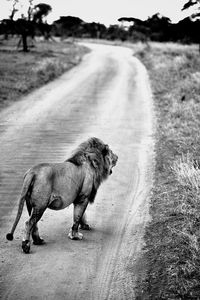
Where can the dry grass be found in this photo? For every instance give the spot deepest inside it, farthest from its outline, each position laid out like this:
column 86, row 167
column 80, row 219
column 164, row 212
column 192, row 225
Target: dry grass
column 187, row 172
column 173, row 236
column 22, row 72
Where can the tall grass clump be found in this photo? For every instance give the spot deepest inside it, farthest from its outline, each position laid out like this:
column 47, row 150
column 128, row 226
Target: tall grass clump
column 172, row 238
column 187, row 172
column 48, row 69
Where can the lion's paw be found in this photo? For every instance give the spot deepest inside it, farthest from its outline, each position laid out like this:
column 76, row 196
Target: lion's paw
column 75, row 235
column 85, row 227
column 26, row 245
column 38, row 241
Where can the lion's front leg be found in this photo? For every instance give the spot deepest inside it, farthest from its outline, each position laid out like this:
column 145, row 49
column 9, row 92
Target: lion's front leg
column 79, row 209
column 83, row 223
column 37, row 240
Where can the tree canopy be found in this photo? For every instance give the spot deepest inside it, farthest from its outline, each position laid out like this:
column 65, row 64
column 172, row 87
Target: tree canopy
column 40, row 11
column 190, row 3
column 196, row 4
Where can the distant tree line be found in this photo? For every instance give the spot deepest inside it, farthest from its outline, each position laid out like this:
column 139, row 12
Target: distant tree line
column 155, row 28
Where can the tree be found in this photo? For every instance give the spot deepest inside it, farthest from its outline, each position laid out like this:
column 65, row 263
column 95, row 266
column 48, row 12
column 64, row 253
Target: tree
column 115, row 32
column 67, row 25
column 22, row 26
column 94, row 30
column 8, row 24
column 158, row 26
column 195, row 3
column 28, row 24
column 14, row 9
column 192, row 3
column 41, row 10
column 30, row 10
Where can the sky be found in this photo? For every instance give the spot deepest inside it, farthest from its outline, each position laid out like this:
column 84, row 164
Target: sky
column 104, row 11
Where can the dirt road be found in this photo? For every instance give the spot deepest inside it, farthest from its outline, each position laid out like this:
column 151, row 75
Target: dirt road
column 106, row 96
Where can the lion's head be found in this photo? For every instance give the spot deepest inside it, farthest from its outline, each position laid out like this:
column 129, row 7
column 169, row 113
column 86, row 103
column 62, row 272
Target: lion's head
column 110, row 159
column 98, row 154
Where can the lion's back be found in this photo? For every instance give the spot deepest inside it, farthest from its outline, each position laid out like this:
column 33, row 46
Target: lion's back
column 63, row 179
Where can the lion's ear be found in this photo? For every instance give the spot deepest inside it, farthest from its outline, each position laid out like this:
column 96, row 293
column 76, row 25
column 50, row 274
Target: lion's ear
column 95, row 163
column 105, row 150
column 92, row 158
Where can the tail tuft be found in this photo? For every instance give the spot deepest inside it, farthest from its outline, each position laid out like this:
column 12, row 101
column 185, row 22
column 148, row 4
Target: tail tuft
column 9, row 236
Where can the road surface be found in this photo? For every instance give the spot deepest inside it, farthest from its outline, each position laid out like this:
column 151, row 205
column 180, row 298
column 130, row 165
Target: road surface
column 107, row 96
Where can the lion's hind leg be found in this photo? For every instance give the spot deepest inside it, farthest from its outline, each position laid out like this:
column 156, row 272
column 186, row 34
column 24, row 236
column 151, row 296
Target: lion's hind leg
column 30, row 225
column 37, row 240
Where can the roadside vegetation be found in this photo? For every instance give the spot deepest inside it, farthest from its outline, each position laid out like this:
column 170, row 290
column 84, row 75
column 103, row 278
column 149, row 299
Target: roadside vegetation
column 22, row 72
column 172, row 238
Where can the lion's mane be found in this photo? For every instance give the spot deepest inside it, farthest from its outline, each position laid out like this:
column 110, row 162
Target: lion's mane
column 94, row 152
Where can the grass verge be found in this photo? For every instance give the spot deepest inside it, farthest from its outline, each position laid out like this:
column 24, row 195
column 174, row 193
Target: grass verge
column 22, row 72
column 172, row 238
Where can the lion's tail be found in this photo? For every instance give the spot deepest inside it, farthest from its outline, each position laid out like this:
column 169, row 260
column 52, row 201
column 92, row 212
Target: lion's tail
column 29, row 180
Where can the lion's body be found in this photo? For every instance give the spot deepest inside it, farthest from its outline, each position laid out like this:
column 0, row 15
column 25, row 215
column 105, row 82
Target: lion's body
column 57, row 185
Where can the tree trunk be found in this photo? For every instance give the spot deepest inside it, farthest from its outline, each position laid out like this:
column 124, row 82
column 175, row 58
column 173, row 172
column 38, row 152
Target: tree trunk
column 24, row 41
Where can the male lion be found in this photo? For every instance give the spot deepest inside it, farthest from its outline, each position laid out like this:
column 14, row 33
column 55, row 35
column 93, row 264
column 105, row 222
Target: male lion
column 57, row 185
